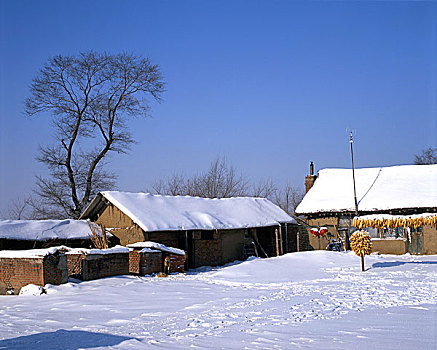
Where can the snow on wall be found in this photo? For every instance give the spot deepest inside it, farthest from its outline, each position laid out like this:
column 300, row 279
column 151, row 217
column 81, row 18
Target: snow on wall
column 43, row 230
column 30, row 253
column 396, row 187
column 113, row 250
column 169, row 213
column 148, row 247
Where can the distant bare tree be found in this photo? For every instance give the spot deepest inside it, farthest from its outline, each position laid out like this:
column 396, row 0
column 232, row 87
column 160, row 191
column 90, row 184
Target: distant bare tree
column 219, row 181
column 20, row 209
column 428, row 156
column 91, row 97
column 288, row 198
column 264, row 189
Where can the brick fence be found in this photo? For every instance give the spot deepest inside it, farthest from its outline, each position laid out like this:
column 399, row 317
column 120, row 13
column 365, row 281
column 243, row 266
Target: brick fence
column 94, row 266
column 174, row 263
column 16, row 272
column 145, row 263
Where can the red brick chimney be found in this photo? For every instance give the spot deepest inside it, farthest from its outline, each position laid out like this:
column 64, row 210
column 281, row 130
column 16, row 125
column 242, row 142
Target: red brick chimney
column 310, row 179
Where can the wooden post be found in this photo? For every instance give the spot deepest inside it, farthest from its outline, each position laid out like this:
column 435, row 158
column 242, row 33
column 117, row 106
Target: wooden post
column 362, row 263
column 277, row 243
column 281, row 243
column 298, row 240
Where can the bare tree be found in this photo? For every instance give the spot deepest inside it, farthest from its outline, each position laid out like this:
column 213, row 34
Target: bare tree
column 428, row 156
column 91, row 97
column 219, row 181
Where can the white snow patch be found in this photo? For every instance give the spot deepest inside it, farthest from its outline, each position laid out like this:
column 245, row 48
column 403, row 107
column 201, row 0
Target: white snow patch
column 32, row 289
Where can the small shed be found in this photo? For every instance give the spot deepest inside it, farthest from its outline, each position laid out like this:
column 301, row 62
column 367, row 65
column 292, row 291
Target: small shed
column 210, row 231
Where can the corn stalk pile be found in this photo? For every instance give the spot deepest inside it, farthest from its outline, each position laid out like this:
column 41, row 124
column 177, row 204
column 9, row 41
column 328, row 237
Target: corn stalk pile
column 392, row 221
column 361, row 244
column 98, row 235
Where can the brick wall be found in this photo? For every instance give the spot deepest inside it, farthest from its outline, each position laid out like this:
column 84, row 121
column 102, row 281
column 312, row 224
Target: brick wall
column 16, row 273
column 134, row 262
column 55, row 269
column 145, row 263
column 151, row 263
column 96, row 266
column 208, row 252
column 168, row 238
column 174, row 263
column 74, row 264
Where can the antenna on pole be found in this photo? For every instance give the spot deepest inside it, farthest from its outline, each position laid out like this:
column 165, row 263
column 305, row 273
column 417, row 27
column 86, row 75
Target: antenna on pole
column 353, row 173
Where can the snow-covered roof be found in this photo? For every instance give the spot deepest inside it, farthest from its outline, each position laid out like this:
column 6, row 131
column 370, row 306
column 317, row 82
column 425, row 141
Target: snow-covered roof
column 43, row 230
column 171, row 213
column 378, row 189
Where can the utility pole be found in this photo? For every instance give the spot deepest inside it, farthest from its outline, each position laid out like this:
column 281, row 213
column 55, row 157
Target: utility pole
column 353, row 175
column 355, row 190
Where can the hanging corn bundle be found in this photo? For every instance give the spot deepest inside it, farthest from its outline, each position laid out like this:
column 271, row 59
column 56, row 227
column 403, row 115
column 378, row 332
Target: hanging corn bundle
column 361, row 244
column 392, row 221
column 98, row 235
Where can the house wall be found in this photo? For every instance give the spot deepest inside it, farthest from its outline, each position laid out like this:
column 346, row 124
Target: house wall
column 121, row 225
column 389, row 246
column 429, row 240
column 232, row 242
column 168, row 238
column 267, row 239
column 16, row 273
column 329, row 223
column 207, row 252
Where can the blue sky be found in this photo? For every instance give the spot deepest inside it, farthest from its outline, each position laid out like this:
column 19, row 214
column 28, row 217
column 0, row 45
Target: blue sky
column 270, row 85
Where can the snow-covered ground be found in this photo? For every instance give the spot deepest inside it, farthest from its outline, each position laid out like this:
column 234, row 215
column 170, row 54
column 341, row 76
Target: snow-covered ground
column 317, row 300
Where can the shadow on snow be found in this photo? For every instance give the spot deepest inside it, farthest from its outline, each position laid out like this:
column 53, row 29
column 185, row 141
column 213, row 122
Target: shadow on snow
column 62, row 339
column 400, row 263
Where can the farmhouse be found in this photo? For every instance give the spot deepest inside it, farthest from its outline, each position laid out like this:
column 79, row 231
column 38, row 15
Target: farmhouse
column 408, row 192
column 31, row 234
column 211, row 231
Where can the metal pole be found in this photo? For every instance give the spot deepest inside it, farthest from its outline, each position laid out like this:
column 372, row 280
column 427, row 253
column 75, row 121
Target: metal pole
column 353, row 176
